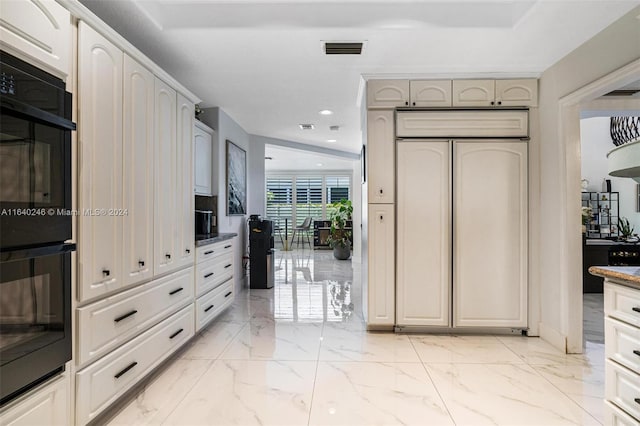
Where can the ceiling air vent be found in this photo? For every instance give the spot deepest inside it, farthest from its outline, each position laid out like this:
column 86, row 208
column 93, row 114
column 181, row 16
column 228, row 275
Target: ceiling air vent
column 623, row 92
column 343, row 48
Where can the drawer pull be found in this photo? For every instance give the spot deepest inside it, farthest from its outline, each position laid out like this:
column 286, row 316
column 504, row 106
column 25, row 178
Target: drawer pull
column 168, row 256
column 106, row 272
column 635, row 308
column 127, row 315
column 637, row 400
column 228, row 266
column 176, row 333
column 208, row 308
column 637, row 352
column 208, row 275
column 208, row 252
column 229, row 246
column 228, row 294
column 177, row 290
column 187, row 251
column 127, row 368
column 141, row 263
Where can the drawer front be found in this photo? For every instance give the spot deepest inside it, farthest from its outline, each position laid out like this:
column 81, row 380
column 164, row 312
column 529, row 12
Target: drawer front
column 623, row 343
column 209, row 305
column 212, row 273
column 100, row 384
column 213, row 250
column 613, row 416
column 107, row 324
column 622, row 303
column 622, row 387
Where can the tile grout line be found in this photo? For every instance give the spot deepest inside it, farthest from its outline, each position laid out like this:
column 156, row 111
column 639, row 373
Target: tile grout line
column 315, row 377
column 433, row 383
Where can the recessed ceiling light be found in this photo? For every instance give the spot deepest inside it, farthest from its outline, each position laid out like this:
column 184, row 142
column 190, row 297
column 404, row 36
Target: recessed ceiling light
column 326, row 112
column 306, row 126
column 319, row 164
column 334, row 128
column 332, row 140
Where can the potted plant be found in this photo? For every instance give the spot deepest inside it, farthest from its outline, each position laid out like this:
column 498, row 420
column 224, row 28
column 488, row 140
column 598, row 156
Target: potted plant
column 626, row 230
column 339, row 237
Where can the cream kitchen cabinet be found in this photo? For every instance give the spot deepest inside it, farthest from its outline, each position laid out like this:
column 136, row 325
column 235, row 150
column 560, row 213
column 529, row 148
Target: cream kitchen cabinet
column 165, row 225
column 430, row 93
column 184, row 211
column 39, row 31
column 381, row 266
column 424, row 234
column 471, row 93
column 387, row 93
column 203, row 159
column 138, row 147
column 100, row 83
column 381, row 156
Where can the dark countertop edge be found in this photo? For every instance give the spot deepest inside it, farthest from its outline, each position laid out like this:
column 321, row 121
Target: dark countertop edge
column 216, row 239
column 630, row 275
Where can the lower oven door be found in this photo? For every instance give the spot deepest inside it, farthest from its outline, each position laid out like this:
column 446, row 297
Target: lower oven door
column 35, row 316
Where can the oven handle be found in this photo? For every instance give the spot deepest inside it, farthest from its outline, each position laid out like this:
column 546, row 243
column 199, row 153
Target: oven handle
column 29, row 253
column 45, row 117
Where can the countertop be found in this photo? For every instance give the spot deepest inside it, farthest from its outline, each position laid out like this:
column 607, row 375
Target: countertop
column 630, row 275
column 206, row 239
column 604, row 242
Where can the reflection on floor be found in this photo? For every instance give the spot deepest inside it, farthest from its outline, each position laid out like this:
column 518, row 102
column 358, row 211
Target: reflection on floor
column 593, row 317
column 299, row 354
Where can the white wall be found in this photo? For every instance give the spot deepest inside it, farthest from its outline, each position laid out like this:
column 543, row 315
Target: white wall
column 559, row 205
column 596, row 142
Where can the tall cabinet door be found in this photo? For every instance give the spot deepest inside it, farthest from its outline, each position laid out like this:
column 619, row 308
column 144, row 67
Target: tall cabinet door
column 381, row 156
column 100, row 157
column 185, row 250
column 381, row 289
column 138, row 143
column 165, row 225
column 490, row 234
column 424, row 237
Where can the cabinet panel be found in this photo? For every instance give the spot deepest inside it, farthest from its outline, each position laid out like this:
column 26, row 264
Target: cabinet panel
column 380, row 156
column 517, row 92
column 381, row 273
column 209, row 305
column 100, row 157
column 202, row 146
column 184, row 208
column 430, row 93
column 137, row 160
column 165, row 178
column 622, row 387
column 423, row 243
column 623, row 342
column 40, row 30
column 473, row 93
column 387, row 93
column 47, row 405
column 490, row 234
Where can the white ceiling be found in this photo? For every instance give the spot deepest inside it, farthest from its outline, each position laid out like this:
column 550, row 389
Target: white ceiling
column 296, row 160
column 261, row 60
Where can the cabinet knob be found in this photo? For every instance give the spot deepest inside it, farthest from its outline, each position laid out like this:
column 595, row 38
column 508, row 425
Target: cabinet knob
column 499, row 102
column 406, row 103
column 188, row 251
column 381, row 191
column 381, row 218
column 106, row 272
column 493, row 103
column 414, row 104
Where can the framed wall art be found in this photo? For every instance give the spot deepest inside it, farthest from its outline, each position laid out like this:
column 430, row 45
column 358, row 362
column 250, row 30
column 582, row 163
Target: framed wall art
column 236, row 180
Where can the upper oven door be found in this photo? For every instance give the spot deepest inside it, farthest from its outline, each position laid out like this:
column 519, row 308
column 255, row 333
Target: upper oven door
column 35, row 158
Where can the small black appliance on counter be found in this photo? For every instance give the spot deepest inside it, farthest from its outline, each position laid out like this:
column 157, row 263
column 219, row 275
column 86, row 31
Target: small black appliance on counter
column 261, row 254
column 204, row 222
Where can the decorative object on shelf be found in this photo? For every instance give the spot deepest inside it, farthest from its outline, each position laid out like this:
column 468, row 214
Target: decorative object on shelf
column 587, row 212
column 626, row 230
column 236, row 180
column 339, row 237
column 606, row 185
column 624, row 130
column 584, row 183
column 603, row 214
column 198, row 111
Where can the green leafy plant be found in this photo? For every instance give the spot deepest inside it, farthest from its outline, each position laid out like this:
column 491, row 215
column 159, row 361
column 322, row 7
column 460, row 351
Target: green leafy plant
column 626, row 230
column 338, row 235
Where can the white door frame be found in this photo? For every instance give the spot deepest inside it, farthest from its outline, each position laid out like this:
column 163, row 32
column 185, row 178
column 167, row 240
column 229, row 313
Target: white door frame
column 571, row 251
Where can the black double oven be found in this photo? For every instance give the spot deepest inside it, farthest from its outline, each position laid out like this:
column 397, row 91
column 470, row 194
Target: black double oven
column 35, row 226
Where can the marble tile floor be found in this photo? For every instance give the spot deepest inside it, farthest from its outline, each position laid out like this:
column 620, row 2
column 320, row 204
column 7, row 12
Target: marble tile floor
column 299, row 354
column 593, row 317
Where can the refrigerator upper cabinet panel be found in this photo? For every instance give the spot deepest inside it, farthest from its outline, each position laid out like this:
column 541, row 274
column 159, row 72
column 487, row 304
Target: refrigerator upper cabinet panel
column 387, row 93
column 463, row 124
column 431, row 93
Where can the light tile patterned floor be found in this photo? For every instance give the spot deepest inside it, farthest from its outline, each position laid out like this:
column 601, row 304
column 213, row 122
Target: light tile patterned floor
column 299, row 354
